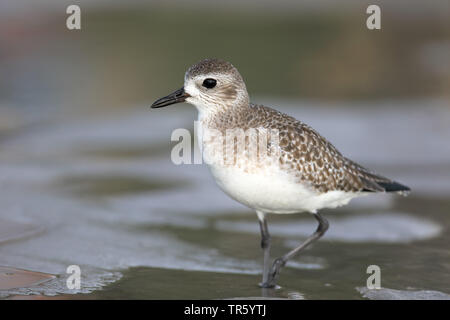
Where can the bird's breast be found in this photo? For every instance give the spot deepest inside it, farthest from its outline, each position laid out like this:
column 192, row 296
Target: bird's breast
column 260, row 182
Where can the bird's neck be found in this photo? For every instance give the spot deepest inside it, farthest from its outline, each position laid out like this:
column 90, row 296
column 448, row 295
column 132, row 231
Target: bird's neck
column 224, row 118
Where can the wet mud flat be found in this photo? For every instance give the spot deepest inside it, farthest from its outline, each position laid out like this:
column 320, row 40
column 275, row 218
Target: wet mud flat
column 140, row 227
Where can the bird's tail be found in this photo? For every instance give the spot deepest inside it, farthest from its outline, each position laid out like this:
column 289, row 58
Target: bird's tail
column 376, row 183
column 393, row 186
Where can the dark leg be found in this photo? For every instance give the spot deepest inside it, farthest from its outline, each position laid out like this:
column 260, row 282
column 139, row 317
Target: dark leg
column 280, row 262
column 265, row 245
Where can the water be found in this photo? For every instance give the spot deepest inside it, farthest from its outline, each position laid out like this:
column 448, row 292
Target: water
column 102, row 193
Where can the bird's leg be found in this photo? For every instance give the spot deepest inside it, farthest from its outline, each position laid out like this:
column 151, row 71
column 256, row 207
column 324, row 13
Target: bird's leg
column 280, row 262
column 265, row 245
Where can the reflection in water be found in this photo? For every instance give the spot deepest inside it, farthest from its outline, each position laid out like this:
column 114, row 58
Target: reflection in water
column 82, row 185
column 185, row 235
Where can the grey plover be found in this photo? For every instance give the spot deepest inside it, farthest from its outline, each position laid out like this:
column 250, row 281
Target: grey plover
column 308, row 173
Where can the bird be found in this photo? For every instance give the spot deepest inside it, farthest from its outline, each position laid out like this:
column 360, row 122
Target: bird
column 297, row 170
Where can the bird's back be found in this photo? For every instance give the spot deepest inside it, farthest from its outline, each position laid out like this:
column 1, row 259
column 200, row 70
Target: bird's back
column 307, row 155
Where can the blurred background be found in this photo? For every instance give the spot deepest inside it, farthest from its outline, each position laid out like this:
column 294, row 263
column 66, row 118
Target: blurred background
column 85, row 170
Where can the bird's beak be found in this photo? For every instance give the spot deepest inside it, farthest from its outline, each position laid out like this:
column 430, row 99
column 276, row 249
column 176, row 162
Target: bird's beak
column 175, row 97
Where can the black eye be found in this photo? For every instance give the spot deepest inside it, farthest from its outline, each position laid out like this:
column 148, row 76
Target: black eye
column 209, row 83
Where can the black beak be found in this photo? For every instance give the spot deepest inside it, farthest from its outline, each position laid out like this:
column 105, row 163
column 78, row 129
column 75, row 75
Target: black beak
column 175, row 97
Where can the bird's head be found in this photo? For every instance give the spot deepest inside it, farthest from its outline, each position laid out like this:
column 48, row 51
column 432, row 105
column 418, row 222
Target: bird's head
column 211, row 85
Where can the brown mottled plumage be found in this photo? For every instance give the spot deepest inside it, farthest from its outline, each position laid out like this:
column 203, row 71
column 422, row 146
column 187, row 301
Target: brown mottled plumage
column 304, row 152
column 212, row 66
column 305, row 174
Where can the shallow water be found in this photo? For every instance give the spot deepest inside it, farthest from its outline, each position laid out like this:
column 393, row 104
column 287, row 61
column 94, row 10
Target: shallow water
column 102, row 193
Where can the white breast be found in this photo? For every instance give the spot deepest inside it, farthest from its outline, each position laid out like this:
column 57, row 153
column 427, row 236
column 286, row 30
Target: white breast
column 273, row 191
column 269, row 189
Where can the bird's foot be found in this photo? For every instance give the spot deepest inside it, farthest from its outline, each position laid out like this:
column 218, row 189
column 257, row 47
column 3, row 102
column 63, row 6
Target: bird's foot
column 275, row 270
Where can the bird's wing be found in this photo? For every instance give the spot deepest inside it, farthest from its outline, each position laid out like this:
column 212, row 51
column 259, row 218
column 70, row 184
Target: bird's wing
column 317, row 162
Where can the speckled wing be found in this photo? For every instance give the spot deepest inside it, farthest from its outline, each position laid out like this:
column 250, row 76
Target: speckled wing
column 316, row 162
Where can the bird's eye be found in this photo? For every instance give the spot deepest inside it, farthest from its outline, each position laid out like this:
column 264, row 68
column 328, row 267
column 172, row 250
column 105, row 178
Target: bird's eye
column 209, row 83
